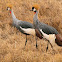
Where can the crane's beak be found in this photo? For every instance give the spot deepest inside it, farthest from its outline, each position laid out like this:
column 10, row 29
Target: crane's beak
column 7, row 8
column 31, row 10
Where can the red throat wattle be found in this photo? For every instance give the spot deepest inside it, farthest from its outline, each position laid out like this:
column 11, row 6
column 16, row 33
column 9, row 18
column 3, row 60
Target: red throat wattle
column 34, row 12
column 10, row 12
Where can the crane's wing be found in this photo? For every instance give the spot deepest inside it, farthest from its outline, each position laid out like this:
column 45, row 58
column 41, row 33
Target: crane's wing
column 46, row 28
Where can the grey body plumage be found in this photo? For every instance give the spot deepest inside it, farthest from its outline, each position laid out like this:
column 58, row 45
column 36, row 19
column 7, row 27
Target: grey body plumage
column 45, row 28
column 17, row 23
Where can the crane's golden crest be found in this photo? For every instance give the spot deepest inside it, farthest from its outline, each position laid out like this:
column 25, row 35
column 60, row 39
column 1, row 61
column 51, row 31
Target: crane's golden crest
column 9, row 5
column 36, row 6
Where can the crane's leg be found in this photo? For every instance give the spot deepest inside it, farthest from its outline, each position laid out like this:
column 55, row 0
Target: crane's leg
column 26, row 40
column 36, row 41
column 47, row 47
column 51, row 45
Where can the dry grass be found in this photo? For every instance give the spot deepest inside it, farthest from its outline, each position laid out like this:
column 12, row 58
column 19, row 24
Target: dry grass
column 12, row 42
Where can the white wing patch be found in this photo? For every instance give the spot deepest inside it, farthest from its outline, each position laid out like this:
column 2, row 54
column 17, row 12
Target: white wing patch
column 50, row 37
column 30, row 31
column 44, row 34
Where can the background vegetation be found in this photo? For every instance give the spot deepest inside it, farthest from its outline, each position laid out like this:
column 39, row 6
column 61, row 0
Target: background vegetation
column 12, row 42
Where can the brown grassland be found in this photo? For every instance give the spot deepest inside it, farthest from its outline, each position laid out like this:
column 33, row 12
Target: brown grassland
column 12, row 42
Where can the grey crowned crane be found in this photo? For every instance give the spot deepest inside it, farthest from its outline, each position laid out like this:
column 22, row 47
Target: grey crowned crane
column 21, row 24
column 46, row 31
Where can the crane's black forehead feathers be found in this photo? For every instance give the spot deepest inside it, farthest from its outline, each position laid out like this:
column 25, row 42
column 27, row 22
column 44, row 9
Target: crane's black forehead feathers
column 32, row 7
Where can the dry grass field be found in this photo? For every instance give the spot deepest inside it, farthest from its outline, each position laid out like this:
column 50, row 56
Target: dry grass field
column 12, row 42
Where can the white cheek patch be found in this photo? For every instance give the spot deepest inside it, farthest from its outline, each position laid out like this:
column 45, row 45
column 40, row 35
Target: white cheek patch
column 8, row 8
column 34, row 9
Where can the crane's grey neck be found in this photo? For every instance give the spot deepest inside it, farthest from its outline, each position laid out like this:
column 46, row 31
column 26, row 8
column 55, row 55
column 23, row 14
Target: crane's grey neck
column 35, row 19
column 15, row 20
column 13, row 16
column 36, row 16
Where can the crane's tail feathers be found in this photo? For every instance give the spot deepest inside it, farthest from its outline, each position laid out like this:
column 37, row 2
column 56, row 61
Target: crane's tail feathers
column 58, row 39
